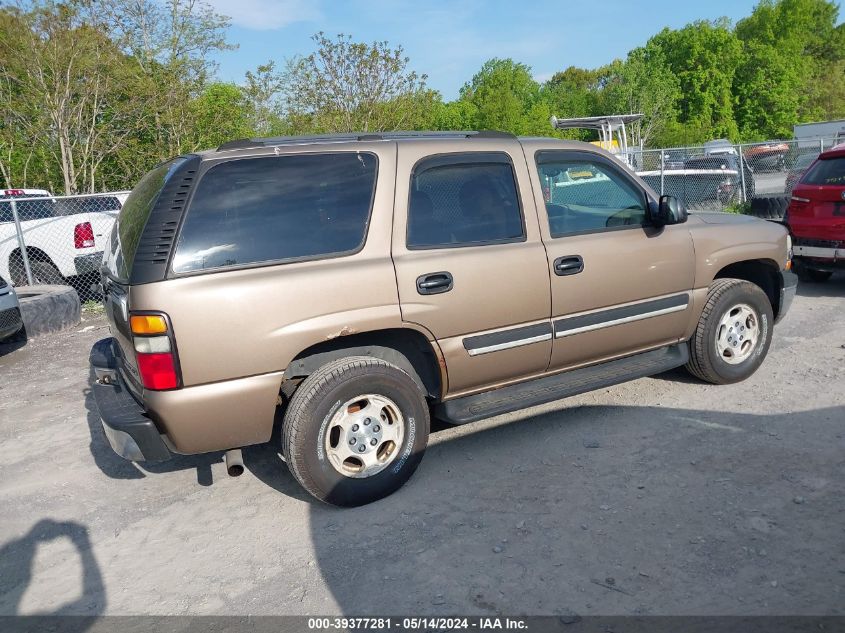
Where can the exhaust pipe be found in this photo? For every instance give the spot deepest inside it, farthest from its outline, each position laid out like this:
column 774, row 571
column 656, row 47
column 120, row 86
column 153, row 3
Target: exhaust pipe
column 234, row 462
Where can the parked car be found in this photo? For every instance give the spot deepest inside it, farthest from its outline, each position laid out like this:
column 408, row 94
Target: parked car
column 706, row 178
column 767, row 156
column 802, row 162
column 355, row 286
column 11, row 324
column 816, row 216
column 719, row 146
column 60, row 248
column 674, row 159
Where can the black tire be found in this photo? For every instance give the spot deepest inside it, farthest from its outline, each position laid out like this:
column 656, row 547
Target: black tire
column 705, row 362
column 46, row 274
column 314, row 404
column 769, row 207
column 46, row 309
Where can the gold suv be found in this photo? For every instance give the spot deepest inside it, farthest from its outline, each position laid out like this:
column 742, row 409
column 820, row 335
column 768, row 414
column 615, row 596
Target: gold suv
column 360, row 284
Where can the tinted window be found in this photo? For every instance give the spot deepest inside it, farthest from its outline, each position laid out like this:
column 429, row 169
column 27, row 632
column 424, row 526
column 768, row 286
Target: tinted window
column 463, row 200
column 586, row 195
column 89, row 204
column 126, row 232
column 28, row 209
column 830, row 171
column 277, row 208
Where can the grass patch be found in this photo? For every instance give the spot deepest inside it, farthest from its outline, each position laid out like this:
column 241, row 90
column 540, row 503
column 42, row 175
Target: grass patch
column 740, row 208
column 92, row 307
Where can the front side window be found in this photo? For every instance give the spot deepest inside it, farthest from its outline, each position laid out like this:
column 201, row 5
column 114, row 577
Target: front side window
column 463, row 200
column 829, row 171
column 583, row 195
column 277, row 208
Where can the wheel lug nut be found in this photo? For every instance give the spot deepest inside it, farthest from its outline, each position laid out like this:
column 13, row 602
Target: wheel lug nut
column 373, row 442
column 354, row 427
column 362, row 448
column 367, row 422
column 352, row 442
column 376, row 428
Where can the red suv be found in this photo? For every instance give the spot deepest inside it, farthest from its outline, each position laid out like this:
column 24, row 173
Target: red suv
column 816, row 217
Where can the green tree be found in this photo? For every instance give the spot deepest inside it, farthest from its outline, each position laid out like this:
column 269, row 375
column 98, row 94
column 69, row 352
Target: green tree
column 792, row 67
column 66, row 84
column 170, row 43
column 504, row 96
column 643, row 84
column 704, row 56
column 221, row 113
column 262, row 90
column 349, row 86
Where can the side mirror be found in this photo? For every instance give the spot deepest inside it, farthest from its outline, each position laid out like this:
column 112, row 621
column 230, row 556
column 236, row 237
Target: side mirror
column 668, row 211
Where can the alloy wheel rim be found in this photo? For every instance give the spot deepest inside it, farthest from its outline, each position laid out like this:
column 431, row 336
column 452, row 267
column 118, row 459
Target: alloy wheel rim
column 364, row 435
column 737, row 334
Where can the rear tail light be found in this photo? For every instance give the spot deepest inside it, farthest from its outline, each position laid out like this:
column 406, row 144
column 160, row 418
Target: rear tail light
column 83, row 235
column 158, row 371
column 154, row 350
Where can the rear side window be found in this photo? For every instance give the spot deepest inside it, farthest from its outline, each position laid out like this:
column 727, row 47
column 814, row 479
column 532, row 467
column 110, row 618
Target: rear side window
column 830, row 171
column 127, row 231
column 463, row 200
column 28, row 209
column 278, row 208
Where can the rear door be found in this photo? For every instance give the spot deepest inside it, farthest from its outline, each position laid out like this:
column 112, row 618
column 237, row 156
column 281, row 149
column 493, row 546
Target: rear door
column 470, row 264
column 618, row 285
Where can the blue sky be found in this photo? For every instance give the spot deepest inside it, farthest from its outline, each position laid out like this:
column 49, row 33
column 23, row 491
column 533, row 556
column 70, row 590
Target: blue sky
column 449, row 40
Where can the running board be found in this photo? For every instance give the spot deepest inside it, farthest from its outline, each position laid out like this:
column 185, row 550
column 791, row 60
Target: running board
column 569, row 383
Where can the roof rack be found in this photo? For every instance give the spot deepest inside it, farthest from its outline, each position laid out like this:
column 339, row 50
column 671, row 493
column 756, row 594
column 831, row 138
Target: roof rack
column 357, row 136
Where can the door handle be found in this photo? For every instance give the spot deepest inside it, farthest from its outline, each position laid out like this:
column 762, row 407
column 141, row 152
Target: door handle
column 435, row 283
column 568, row 265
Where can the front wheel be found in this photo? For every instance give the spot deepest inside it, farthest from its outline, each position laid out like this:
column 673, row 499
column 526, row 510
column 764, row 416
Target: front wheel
column 355, row 430
column 733, row 333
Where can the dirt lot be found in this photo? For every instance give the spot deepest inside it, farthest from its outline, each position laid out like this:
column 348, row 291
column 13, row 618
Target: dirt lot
column 661, row 496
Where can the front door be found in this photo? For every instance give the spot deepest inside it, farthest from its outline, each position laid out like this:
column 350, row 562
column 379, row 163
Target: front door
column 619, row 286
column 470, row 263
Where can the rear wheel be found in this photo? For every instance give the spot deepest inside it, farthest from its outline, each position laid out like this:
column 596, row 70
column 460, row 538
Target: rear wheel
column 43, row 273
column 355, row 430
column 46, row 274
column 733, row 333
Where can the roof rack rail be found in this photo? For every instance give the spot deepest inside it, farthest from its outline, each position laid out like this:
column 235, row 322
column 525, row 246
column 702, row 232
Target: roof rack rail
column 245, row 143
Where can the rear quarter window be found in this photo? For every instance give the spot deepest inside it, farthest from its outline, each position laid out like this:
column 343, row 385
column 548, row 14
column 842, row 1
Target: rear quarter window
column 829, row 171
column 127, row 231
column 274, row 209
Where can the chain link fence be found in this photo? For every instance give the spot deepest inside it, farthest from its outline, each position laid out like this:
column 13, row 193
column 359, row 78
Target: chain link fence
column 719, row 176
column 46, row 239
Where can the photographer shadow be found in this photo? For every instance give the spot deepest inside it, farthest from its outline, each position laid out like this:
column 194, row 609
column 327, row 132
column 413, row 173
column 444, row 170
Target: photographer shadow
column 17, row 558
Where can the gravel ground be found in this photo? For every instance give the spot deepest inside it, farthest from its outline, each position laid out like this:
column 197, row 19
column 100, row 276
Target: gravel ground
column 660, row 496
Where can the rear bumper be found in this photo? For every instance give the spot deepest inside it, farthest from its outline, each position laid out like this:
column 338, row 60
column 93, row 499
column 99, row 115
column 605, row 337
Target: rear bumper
column 131, row 434
column 820, row 252
column 88, row 263
column 788, row 287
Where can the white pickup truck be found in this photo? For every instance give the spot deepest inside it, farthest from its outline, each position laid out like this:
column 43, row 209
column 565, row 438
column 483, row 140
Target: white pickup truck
column 64, row 237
